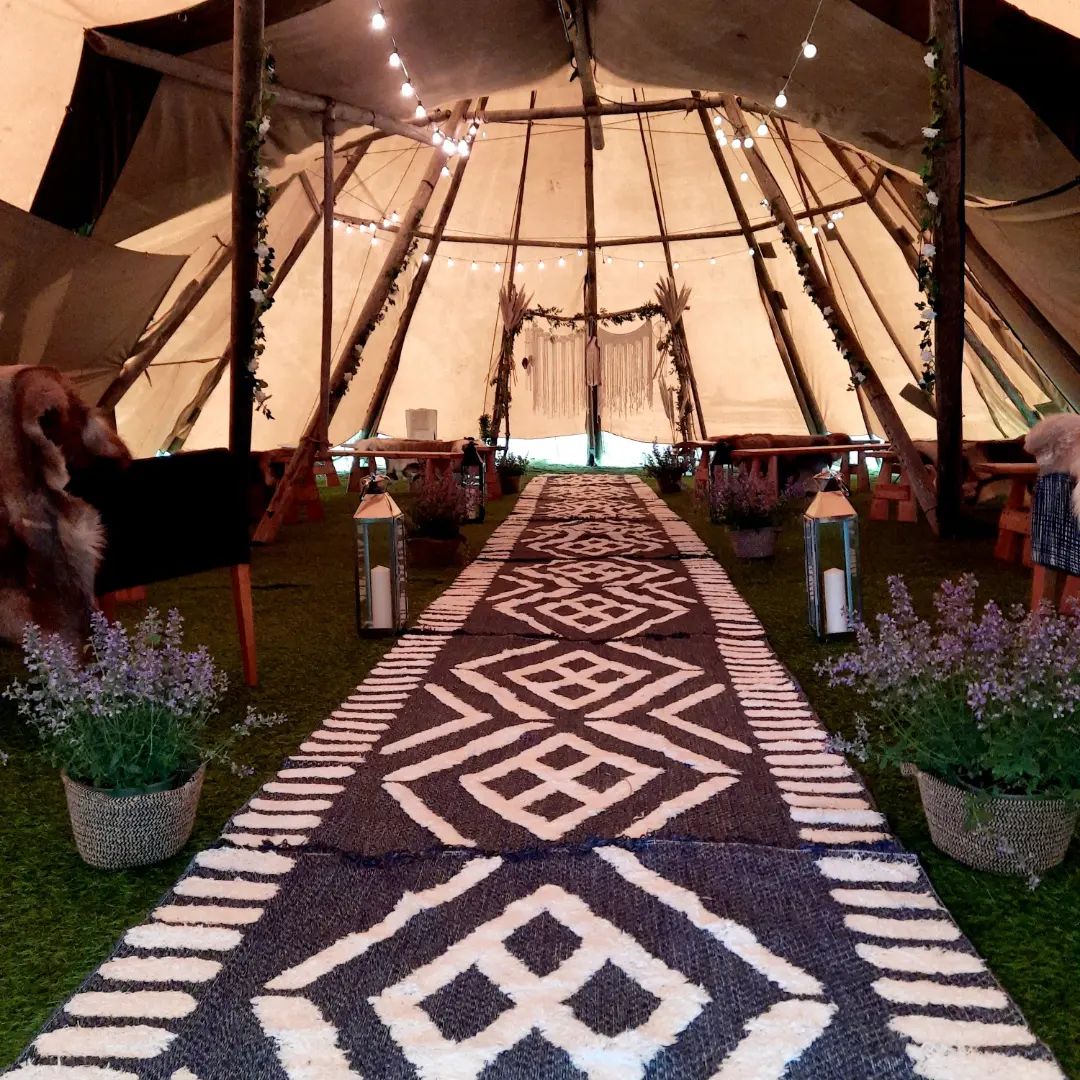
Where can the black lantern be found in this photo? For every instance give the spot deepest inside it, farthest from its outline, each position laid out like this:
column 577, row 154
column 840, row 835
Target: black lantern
column 381, row 599
column 473, row 481
column 831, row 535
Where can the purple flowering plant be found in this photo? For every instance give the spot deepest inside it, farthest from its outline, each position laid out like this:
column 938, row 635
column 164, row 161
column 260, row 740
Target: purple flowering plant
column 741, row 500
column 132, row 713
column 987, row 700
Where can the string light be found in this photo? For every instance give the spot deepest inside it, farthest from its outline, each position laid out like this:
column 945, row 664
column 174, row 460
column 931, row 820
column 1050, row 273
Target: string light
column 830, row 224
column 425, row 257
column 640, row 265
column 748, row 142
column 520, row 268
column 437, row 137
column 562, row 262
column 540, row 265
column 497, row 267
column 450, row 264
column 374, row 241
column 472, row 265
column 762, row 129
column 717, row 120
column 580, row 253
column 781, row 100
column 378, row 21
column 407, row 89
column 395, row 60
column 721, row 138
column 395, row 217
column 449, row 146
column 809, row 50
column 712, row 262
column 445, row 170
column 675, row 266
column 608, row 260
column 463, row 149
column 744, row 177
column 736, row 143
column 420, row 112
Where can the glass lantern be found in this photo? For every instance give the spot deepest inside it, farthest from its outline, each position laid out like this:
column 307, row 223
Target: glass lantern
column 473, row 482
column 381, row 599
column 831, row 542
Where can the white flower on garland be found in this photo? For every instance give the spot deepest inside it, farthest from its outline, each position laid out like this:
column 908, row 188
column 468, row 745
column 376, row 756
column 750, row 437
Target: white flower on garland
column 826, row 311
column 261, row 396
column 926, row 356
column 928, row 251
column 257, row 295
column 262, row 250
column 348, row 377
column 930, row 314
column 931, row 132
column 262, row 173
column 930, row 59
column 932, row 197
column 253, row 366
column 264, row 125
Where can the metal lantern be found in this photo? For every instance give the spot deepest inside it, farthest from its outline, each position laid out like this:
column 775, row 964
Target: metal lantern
column 831, row 534
column 382, row 605
column 473, row 481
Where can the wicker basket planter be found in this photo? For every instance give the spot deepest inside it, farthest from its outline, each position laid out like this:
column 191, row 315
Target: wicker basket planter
column 754, row 543
column 116, row 831
column 1016, row 835
column 510, row 482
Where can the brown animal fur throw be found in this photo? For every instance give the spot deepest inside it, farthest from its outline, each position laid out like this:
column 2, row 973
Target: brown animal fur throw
column 50, row 542
column 1055, row 445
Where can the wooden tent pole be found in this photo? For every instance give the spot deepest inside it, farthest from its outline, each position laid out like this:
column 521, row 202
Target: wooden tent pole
column 876, row 394
column 149, row 347
column 500, row 407
column 592, row 418
column 247, row 77
column 301, row 461
column 393, row 356
column 577, row 32
column 327, row 342
column 190, row 413
column 785, row 343
column 661, row 224
column 949, row 327
column 609, row 108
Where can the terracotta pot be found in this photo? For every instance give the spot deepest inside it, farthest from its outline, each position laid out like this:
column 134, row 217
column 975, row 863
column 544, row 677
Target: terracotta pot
column 1006, row 834
column 754, row 543
column 510, row 484
column 431, row 552
column 114, row 831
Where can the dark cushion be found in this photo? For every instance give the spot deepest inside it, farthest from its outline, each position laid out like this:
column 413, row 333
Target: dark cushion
column 1055, row 534
column 166, row 517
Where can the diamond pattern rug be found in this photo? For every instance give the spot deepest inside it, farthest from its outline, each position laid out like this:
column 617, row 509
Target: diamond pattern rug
column 581, row 824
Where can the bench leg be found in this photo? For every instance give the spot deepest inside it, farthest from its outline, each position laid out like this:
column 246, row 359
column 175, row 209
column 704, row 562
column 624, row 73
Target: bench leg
column 1045, row 585
column 245, row 620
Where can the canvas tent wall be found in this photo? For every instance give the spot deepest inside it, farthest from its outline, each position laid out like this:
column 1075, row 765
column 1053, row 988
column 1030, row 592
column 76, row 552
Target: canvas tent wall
column 170, row 196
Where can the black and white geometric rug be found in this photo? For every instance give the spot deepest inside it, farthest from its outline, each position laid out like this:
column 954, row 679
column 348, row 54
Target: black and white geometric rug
column 581, row 823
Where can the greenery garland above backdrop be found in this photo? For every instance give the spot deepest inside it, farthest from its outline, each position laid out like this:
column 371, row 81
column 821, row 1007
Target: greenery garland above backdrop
column 260, row 180
column 930, row 217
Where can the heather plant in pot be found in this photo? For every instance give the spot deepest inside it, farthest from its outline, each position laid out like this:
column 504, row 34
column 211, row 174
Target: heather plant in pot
column 752, row 511
column 128, row 726
column 983, row 709
column 434, row 521
column 667, row 467
column 511, row 468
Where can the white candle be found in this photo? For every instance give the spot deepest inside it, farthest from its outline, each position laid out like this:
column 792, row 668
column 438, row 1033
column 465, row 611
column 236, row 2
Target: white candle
column 382, row 608
column 836, row 616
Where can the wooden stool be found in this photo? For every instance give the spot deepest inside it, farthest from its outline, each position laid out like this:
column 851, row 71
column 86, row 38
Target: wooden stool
column 324, row 467
column 1014, row 525
column 306, row 504
column 862, row 472
column 893, row 489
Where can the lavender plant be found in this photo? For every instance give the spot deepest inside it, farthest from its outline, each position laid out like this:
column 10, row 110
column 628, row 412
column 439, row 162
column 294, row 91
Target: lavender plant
column 987, row 700
column 743, row 501
column 133, row 714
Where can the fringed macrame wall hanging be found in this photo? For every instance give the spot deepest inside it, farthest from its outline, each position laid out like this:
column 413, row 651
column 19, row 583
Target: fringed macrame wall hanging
column 627, row 370
column 556, row 372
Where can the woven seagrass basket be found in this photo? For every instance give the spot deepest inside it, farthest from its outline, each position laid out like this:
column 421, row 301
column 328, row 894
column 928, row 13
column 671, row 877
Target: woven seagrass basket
column 1015, row 834
column 116, row 831
column 754, row 543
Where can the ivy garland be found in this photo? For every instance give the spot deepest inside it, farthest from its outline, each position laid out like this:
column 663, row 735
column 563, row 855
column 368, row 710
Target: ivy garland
column 931, row 214
column 260, row 180
column 555, row 318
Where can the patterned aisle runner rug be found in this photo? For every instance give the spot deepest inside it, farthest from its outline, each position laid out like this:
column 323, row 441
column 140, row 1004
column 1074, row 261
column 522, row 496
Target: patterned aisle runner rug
column 580, row 825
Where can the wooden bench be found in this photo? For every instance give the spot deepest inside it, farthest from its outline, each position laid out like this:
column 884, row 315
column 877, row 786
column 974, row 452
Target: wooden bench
column 894, row 490
column 766, row 461
column 1014, row 524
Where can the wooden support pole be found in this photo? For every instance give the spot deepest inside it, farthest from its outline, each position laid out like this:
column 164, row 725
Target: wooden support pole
column 300, row 464
column 945, row 29
column 679, row 329
column 393, row 356
column 500, row 409
column 577, row 33
column 592, row 417
column 190, row 413
column 610, row 108
column 247, row 77
column 876, row 394
column 190, row 71
column 327, row 343
column 785, row 343
column 150, row 345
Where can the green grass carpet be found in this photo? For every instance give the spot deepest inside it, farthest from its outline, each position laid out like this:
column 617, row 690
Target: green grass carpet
column 58, row 917
column 1030, row 939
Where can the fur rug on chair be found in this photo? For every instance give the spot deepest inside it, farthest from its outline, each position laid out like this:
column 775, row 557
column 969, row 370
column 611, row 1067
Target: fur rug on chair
column 50, row 542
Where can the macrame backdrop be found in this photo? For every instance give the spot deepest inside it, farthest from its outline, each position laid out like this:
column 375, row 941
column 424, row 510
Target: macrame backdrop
column 557, row 371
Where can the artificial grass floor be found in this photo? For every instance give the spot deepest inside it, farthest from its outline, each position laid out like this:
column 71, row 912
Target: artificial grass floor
column 59, row 918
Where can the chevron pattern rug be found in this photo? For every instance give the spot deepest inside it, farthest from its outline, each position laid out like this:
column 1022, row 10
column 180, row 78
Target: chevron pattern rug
column 579, row 824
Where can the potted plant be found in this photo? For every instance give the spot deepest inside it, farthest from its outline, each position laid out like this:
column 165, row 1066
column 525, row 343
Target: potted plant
column 434, row 521
column 667, row 467
column 983, row 708
column 127, row 726
column 751, row 510
column 511, row 468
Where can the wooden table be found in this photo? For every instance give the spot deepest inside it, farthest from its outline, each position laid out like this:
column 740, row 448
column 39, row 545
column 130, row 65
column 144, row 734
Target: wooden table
column 701, row 473
column 435, row 461
column 766, row 460
column 1014, row 524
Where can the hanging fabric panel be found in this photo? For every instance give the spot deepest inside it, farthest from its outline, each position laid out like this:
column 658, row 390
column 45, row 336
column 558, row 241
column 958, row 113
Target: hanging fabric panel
column 627, row 364
column 556, row 372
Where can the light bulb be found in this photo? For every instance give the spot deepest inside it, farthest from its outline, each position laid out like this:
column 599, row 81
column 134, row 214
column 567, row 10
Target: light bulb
column 450, row 264
column 830, row 224
column 472, row 266
column 712, row 262
column 497, row 267
column 721, row 138
column 449, row 146
column 675, row 266
column 348, row 229
column 815, row 230
column 750, row 252
column 520, row 268
column 463, row 149
column 386, row 223
column 838, row 215
column 580, row 253
column 407, row 89
column 801, row 226
column 744, row 177
column 371, row 227
column 640, row 265
column 762, row 129
column 736, row 143
column 562, row 261
column 374, row 241
column 781, row 100
column 809, row 50
column 337, row 223
column 436, row 136
column 608, row 259
column 395, row 60
column 425, row 257
column 717, row 121
column 445, row 171
column 395, row 217
column 378, row 21
column 421, row 113
column 540, row 265
column 748, row 141
column 473, row 129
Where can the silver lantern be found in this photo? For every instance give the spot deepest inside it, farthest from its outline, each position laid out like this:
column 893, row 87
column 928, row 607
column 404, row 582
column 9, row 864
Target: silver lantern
column 473, row 482
column 831, row 536
column 382, row 605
